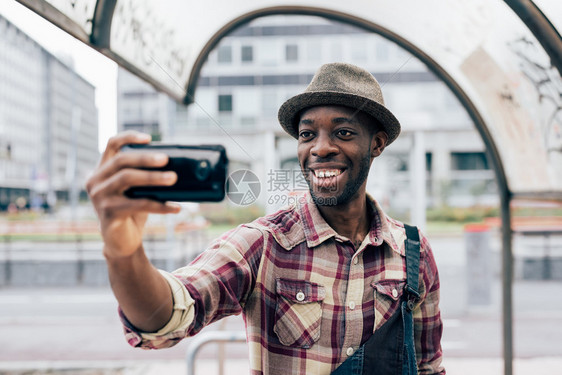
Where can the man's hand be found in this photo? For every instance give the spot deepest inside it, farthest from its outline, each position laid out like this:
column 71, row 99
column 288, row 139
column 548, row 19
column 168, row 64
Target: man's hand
column 122, row 219
column 143, row 294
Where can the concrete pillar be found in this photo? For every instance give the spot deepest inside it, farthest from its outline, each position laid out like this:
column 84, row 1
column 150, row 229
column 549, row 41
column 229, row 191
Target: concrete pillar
column 270, row 165
column 418, row 180
column 72, row 163
column 479, row 272
column 441, row 168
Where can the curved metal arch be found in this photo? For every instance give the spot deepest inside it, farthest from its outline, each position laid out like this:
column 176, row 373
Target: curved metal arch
column 541, row 27
column 101, row 23
column 462, row 96
column 437, row 69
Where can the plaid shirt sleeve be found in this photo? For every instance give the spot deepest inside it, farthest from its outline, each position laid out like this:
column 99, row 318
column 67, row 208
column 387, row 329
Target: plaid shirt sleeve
column 222, row 279
column 216, row 284
column 427, row 317
column 174, row 331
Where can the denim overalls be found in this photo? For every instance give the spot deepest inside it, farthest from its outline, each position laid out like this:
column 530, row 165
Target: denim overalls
column 391, row 349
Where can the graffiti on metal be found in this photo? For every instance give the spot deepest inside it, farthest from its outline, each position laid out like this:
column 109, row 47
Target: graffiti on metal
column 548, row 85
column 80, row 12
column 152, row 41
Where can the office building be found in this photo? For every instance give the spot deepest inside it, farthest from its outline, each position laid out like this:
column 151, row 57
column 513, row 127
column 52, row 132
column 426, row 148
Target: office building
column 253, row 70
column 48, row 124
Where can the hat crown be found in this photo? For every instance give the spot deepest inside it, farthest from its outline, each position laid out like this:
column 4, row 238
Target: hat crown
column 346, row 78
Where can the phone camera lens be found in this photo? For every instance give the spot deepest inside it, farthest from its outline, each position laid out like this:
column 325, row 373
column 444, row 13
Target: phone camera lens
column 203, row 170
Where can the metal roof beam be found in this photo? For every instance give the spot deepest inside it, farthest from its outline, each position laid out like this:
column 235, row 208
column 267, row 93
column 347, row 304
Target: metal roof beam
column 101, row 24
column 541, row 27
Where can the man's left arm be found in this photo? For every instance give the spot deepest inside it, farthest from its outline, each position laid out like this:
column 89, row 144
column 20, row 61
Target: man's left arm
column 428, row 326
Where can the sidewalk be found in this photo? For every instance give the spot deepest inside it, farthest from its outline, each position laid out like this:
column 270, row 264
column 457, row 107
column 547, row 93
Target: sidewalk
column 75, row 330
column 71, row 331
column 454, row 366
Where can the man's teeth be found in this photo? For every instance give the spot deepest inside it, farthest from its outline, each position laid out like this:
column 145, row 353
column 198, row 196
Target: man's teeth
column 327, row 173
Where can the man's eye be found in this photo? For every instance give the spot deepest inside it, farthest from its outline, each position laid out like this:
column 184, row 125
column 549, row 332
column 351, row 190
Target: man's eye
column 305, row 134
column 344, row 133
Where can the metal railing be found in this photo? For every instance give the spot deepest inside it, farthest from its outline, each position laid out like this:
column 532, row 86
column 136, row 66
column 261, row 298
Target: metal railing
column 207, row 337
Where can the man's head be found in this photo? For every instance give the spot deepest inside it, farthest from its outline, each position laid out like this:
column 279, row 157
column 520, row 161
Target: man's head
column 341, row 124
column 340, row 84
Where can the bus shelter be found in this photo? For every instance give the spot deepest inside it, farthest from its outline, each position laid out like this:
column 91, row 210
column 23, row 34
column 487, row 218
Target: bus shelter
column 502, row 60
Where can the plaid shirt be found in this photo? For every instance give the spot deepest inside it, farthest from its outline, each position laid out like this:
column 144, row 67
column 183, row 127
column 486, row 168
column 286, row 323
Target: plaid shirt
column 309, row 298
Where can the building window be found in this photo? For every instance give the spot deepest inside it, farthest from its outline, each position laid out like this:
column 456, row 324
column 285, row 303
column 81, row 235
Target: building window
column 469, row 161
column 314, row 50
column 398, row 162
column 224, row 54
column 247, row 54
column 134, row 126
column 358, row 49
column 225, row 103
column 291, row 52
column 336, row 48
column 6, row 151
column 247, row 121
column 270, row 103
column 202, row 122
column 382, row 51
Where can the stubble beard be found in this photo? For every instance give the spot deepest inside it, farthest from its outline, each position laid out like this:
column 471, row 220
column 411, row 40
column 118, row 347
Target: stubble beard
column 350, row 189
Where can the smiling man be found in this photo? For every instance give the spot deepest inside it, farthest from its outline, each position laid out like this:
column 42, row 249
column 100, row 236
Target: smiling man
column 336, row 147
column 323, row 284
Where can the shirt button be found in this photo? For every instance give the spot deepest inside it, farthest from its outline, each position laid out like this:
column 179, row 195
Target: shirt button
column 300, row 296
column 352, row 305
column 349, row 351
column 394, row 293
column 355, row 260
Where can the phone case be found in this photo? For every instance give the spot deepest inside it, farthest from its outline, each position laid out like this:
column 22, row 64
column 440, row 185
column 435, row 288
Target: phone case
column 201, row 173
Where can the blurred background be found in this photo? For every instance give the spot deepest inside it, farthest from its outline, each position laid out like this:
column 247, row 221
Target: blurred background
column 60, row 101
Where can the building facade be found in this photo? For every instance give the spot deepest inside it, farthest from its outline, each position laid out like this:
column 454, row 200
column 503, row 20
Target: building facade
column 140, row 107
column 48, row 124
column 257, row 67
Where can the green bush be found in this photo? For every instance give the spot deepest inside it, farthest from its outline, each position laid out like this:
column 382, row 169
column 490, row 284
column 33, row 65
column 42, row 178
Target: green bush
column 226, row 214
column 461, row 214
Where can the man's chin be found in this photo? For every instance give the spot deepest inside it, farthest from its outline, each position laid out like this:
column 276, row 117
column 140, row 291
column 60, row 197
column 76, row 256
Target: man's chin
column 324, row 199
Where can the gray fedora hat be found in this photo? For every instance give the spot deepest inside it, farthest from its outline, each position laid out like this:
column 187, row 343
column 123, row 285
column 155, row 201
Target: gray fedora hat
column 345, row 85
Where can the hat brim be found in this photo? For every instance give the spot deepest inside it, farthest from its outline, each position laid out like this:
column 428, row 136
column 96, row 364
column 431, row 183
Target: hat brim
column 290, row 110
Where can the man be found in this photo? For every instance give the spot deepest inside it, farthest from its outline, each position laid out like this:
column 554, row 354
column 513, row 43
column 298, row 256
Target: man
column 317, row 281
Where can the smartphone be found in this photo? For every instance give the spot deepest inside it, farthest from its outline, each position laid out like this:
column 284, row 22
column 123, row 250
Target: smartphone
column 201, row 173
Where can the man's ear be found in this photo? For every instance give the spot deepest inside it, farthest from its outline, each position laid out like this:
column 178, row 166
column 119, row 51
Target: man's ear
column 380, row 138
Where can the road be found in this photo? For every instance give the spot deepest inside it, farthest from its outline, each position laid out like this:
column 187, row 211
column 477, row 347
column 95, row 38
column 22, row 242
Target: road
column 46, row 326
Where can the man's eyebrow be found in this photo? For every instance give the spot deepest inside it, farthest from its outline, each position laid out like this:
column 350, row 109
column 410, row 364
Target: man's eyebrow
column 335, row 120
column 341, row 120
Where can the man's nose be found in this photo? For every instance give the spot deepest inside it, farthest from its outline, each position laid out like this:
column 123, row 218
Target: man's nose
column 323, row 147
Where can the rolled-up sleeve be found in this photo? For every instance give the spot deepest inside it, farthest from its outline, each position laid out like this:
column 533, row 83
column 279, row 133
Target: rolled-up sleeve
column 216, row 284
column 174, row 330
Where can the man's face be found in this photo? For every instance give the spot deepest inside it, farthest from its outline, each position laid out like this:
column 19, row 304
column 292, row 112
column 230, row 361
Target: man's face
column 335, row 150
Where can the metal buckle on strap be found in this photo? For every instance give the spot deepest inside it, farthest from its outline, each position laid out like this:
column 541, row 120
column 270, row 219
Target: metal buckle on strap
column 412, row 295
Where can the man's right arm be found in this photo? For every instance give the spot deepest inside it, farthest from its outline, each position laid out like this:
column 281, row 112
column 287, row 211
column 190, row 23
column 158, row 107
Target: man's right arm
column 143, row 293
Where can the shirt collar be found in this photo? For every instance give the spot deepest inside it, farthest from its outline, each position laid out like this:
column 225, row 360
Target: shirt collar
column 316, row 230
column 385, row 229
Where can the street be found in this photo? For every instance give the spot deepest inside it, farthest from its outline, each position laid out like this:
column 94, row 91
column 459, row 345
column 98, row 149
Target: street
column 78, row 326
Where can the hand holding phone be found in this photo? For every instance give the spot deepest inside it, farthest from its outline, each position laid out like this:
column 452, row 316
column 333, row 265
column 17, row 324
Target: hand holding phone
column 122, row 220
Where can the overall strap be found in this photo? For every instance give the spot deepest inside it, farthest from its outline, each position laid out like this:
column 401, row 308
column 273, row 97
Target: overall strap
column 412, row 247
column 412, row 264
column 391, row 349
